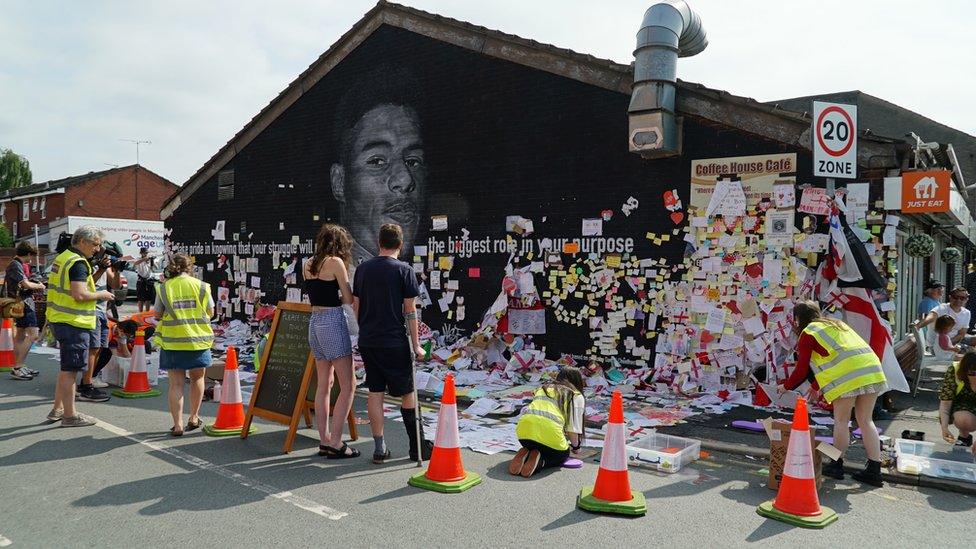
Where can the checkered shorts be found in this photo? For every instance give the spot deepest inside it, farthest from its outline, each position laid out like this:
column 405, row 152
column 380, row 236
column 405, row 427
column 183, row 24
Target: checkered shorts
column 328, row 334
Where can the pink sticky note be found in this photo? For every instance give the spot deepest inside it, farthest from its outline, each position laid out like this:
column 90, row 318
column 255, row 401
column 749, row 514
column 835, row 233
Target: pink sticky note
column 474, row 272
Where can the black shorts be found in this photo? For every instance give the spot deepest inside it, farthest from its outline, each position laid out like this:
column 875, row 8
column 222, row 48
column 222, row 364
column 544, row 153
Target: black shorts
column 388, row 369
column 145, row 290
column 29, row 320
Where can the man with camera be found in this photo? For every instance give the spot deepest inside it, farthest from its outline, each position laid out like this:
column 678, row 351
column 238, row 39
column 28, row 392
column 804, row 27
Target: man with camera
column 71, row 312
column 145, row 289
column 107, row 277
column 19, row 284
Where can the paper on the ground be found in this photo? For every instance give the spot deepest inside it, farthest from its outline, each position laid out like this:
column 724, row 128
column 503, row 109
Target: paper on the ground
column 785, row 400
column 481, row 406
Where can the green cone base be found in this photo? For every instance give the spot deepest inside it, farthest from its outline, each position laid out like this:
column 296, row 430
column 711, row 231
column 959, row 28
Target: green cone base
column 470, row 480
column 826, row 516
column 7, row 369
column 121, row 393
column 636, row 507
column 214, row 432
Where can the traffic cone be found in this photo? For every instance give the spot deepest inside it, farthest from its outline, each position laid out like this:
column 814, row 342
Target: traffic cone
column 796, row 501
column 445, row 472
column 612, row 493
column 7, row 358
column 137, row 382
column 230, row 413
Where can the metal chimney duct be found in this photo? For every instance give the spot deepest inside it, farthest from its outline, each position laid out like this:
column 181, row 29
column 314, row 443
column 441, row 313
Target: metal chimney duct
column 670, row 30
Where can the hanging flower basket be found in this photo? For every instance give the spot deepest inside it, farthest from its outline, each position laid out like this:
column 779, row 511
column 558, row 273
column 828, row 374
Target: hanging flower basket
column 920, row 245
column 951, row 255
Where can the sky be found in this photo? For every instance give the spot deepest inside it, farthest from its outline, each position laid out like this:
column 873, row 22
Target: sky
column 78, row 78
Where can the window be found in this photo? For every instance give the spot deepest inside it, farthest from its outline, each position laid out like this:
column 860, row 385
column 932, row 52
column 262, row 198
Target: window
column 44, row 208
column 225, row 185
column 25, row 211
column 35, row 205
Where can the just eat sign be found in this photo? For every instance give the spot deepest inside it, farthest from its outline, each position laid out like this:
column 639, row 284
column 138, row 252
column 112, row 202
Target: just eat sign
column 925, row 191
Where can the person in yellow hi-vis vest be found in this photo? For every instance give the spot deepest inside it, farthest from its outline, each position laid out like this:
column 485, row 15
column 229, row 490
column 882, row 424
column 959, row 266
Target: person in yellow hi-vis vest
column 71, row 300
column 184, row 307
column 555, row 414
column 846, row 371
column 957, row 401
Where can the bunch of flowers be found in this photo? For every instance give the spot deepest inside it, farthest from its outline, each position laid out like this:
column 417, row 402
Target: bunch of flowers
column 951, row 255
column 920, row 245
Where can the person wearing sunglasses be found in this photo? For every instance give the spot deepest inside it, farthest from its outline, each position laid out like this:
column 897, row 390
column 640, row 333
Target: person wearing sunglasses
column 957, row 401
column 956, row 308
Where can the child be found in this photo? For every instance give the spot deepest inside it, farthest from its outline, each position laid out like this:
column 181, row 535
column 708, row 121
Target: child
column 554, row 414
column 943, row 347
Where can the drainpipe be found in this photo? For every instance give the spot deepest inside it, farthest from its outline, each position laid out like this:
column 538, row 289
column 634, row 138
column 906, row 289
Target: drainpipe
column 670, row 30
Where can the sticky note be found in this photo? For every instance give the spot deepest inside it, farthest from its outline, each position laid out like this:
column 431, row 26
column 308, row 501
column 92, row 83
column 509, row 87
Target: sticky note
column 474, row 272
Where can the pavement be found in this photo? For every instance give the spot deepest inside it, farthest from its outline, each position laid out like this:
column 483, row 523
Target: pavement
column 124, row 480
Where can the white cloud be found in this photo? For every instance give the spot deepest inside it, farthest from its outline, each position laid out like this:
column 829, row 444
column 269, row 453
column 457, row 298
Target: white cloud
column 76, row 77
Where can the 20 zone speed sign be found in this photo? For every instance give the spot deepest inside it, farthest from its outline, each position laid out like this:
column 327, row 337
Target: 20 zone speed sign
column 834, row 140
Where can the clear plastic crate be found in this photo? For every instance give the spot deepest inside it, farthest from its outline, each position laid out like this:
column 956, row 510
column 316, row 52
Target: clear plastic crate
column 915, row 457
column 666, row 453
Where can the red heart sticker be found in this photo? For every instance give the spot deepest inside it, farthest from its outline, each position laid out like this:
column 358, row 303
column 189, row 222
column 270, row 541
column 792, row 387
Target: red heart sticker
column 677, row 217
column 706, row 337
column 606, row 214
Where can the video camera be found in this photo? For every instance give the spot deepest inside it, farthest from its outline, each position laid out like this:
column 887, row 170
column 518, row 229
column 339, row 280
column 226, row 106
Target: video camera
column 109, row 249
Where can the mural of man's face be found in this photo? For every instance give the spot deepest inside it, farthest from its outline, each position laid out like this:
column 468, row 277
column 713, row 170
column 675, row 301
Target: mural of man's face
column 385, row 179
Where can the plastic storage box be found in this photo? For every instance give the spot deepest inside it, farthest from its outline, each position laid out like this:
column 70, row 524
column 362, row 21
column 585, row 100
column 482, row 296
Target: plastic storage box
column 666, row 453
column 915, row 457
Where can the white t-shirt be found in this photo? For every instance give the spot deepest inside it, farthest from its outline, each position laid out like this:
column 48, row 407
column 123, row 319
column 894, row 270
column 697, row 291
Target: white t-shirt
column 961, row 318
column 574, row 423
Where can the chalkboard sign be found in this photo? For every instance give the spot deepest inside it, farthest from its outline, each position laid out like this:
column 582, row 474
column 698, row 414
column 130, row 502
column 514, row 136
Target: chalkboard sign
column 286, row 369
column 285, row 365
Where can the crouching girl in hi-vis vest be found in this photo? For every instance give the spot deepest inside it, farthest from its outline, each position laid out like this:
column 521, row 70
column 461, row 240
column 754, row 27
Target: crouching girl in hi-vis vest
column 554, row 415
column 848, row 374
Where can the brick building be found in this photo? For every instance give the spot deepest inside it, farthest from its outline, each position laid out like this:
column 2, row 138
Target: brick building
column 506, row 161
column 128, row 192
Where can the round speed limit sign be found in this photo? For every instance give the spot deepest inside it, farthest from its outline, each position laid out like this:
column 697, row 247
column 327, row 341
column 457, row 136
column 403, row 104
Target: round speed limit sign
column 835, row 140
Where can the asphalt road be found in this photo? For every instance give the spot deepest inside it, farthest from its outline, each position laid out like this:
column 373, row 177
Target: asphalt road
column 124, row 482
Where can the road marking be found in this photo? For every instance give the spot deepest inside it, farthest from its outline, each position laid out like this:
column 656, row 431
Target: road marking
column 4, row 541
column 270, row 491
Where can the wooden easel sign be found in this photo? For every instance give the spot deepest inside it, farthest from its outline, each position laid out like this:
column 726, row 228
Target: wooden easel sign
column 287, row 366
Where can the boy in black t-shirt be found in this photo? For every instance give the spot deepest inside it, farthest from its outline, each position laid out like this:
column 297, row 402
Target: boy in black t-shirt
column 384, row 290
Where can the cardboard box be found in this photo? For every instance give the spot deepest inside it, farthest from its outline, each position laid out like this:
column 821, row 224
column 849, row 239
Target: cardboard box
column 215, row 371
column 779, row 438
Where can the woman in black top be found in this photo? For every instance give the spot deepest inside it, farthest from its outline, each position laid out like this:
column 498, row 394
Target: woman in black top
column 327, row 284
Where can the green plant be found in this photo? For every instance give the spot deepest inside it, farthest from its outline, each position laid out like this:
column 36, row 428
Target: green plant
column 951, row 254
column 14, row 170
column 920, row 245
column 6, row 240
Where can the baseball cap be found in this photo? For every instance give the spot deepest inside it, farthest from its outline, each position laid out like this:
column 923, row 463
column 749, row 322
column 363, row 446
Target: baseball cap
column 932, row 284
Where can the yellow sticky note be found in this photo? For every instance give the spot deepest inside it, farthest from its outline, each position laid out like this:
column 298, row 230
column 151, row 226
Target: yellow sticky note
column 445, row 262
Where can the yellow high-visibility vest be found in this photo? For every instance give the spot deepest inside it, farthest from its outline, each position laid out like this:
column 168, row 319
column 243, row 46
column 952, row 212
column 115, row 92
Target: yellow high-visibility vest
column 61, row 307
column 850, row 363
column 543, row 422
column 185, row 325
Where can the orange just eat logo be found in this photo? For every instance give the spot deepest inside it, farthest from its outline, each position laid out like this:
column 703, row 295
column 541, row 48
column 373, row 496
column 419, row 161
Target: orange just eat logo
column 925, row 191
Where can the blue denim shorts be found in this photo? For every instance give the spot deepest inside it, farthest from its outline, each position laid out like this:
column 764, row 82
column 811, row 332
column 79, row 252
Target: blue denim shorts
column 73, row 343
column 99, row 336
column 184, row 360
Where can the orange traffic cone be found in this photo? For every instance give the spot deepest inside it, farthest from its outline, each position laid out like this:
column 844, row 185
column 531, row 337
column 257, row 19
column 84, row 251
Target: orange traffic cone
column 612, row 493
column 137, row 382
column 445, row 472
column 230, row 413
column 797, row 502
column 7, row 358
